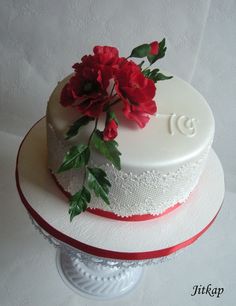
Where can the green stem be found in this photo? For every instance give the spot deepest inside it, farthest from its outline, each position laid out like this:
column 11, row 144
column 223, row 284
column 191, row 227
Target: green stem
column 95, row 127
column 84, row 177
column 89, row 143
column 147, row 67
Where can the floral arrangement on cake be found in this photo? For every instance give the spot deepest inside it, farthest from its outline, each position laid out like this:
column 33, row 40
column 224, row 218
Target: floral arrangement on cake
column 101, row 81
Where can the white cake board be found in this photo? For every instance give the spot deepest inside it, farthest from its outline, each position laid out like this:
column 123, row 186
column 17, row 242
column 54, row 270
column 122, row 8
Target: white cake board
column 108, row 238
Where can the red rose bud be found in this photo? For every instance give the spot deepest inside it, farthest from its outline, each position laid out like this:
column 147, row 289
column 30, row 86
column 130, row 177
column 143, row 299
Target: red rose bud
column 154, row 48
column 110, row 131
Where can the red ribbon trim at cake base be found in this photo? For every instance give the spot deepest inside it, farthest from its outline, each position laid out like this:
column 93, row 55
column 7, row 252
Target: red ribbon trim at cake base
column 111, row 215
column 94, row 250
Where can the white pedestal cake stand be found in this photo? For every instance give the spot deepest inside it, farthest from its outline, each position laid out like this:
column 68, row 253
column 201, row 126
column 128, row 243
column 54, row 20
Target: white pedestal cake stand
column 100, row 256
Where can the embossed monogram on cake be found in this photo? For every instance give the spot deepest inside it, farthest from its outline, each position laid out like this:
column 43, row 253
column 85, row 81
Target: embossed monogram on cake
column 185, row 125
column 181, row 124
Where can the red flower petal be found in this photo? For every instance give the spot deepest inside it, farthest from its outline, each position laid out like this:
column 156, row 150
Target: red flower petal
column 131, row 113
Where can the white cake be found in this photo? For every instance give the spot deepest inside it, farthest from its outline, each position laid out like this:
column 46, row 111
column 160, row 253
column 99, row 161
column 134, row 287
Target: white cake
column 161, row 163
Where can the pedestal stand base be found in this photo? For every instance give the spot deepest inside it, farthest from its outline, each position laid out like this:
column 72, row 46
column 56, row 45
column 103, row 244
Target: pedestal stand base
column 95, row 279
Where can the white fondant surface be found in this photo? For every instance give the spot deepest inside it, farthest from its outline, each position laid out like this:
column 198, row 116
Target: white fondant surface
column 43, row 195
column 183, row 128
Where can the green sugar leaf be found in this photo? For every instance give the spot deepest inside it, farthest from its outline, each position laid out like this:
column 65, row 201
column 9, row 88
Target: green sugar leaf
column 146, row 72
column 73, row 130
column 152, row 58
column 155, row 75
column 150, row 73
column 78, row 202
column 98, row 182
column 76, row 157
column 107, row 148
column 141, row 51
column 161, row 77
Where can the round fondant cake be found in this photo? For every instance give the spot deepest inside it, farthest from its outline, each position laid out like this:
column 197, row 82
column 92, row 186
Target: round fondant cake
column 161, row 163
